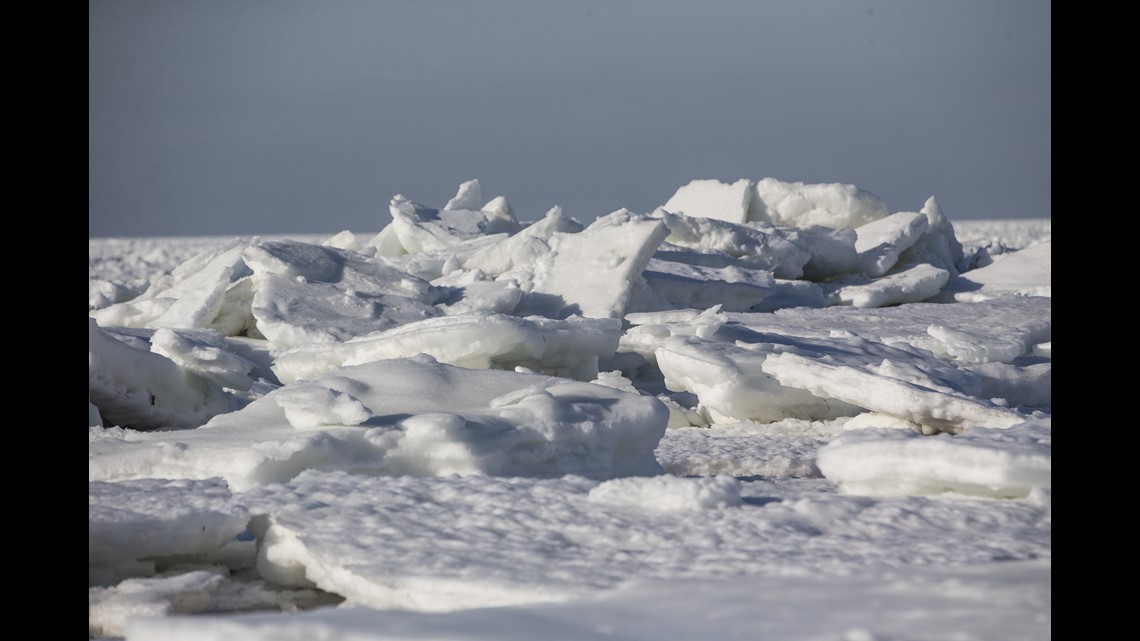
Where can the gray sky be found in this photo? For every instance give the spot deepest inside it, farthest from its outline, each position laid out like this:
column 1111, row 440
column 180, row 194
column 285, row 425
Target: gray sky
column 240, row 117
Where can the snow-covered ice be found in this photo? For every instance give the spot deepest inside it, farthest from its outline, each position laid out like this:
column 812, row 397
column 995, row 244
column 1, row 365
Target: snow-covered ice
column 765, row 409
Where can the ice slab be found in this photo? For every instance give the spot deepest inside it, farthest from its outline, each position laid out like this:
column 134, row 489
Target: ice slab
column 404, row 417
column 995, row 463
column 798, row 204
column 569, row 348
column 936, row 409
column 734, row 288
column 308, row 293
column 209, row 290
column 592, row 273
column 445, row 544
column 881, row 242
column 133, row 523
column 416, row 228
column 1025, row 272
column 134, row 387
column 906, row 284
column 991, row 326
column 731, row 385
column 710, row 198
column 523, row 249
column 757, row 245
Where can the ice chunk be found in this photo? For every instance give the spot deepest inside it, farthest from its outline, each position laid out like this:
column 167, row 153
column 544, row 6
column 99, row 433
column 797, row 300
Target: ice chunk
column 797, row 204
column 713, row 199
column 437, row 263
column 308, row 405
column 1023, row 320
column 832, row 251
column 731, row 385
column 911, row 284
column 136, row 388
column 591, row 273
column 734, row 288
column 469, row 196
column 307, row 293
column 995, row 463
column 200, row 293
column 769, row 377
column 938, row 246
column 104, row 293
column 469, row 292
column 424, row 418
column 1025, row 272
column 416, row 228
column 1028, row 385
column 523, row 249
column 347, row 240
column 759, row 246
column 936, row 410
column 881, row 242
column 137, row 521
column 976, row 347
column 205, row 353
column 109, row 609
column 498, row 207
column 650, row 330
column 792, row 294
column 568, row 347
